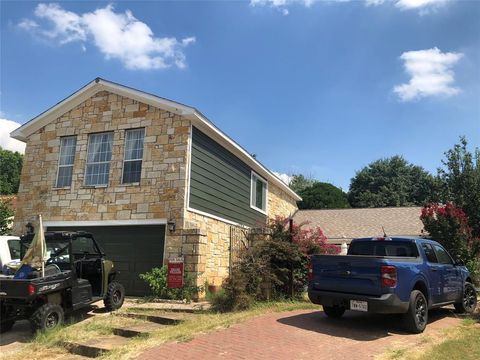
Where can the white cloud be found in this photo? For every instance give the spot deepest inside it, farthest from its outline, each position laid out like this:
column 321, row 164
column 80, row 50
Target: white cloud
column 430, row 72
column 284, row 177
column 419, row 4
column 422, row 5
column 117, row 35
column 6, row 142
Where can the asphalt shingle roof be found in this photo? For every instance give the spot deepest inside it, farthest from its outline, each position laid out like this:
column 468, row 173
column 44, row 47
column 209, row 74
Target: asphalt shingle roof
column 338, row 224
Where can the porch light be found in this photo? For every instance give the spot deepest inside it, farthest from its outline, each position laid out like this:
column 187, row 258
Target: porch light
column 171, row 225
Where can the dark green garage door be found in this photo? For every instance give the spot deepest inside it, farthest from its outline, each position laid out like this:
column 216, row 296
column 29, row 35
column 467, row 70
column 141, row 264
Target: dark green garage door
column 134, row 250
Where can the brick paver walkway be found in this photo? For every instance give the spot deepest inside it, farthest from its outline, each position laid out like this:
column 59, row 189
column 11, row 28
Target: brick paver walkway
column 302, row 335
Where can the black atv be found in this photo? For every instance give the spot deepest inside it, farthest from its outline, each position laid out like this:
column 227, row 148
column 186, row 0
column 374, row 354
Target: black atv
column 76, row 275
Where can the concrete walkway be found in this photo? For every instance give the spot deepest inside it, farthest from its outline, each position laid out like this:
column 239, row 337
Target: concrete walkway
column 303, row 335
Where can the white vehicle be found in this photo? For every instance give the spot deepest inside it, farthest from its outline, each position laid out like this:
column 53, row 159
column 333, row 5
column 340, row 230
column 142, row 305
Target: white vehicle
column 9, row 250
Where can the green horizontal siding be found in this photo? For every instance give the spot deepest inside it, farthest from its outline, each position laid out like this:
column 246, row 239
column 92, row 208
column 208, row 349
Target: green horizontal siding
column 220, row 182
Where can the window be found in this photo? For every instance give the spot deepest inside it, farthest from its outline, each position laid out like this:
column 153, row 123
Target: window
column 14, row 247
column 383, row 248
column 429, row 253
column 99, row 154
column 442, row 255
column 84, row 246
column 65, row 161
column 132, row 163
column 258, row 196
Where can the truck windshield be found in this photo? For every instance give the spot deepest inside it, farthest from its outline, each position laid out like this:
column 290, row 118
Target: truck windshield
column 383, row 248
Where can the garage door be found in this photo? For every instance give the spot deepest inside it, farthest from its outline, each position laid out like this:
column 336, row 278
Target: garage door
column 134, row 249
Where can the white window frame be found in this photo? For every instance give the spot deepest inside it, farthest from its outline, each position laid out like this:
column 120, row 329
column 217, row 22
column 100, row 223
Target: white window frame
column 125, row 152
column 98, row 162
column 255, row 176
column 62, row 166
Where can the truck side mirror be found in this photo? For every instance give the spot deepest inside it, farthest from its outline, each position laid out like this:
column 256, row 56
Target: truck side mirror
column 459, row 262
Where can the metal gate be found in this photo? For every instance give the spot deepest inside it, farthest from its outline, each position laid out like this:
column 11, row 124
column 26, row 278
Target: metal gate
column 239, row 242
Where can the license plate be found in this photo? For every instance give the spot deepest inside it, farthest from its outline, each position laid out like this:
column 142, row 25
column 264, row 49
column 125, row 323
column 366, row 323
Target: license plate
column 358, row 305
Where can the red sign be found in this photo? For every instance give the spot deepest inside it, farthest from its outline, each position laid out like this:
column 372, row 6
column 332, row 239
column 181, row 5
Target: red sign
column 175, row 273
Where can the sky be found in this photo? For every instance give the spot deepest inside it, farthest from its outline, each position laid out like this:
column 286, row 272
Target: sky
column 320, row 88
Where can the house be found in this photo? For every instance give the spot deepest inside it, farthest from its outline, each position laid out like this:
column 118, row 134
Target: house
column 343, row 225
column 150, row 177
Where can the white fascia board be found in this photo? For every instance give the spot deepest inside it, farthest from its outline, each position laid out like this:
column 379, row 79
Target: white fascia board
column 206, row 126
column 24, row 131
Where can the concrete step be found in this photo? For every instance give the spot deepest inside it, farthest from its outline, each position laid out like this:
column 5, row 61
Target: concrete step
column 174, row 307
column 160, row 318
column 135, row 330
column 95, row 347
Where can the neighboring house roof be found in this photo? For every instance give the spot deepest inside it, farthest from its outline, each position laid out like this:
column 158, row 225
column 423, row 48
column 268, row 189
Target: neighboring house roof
column 339, row 224
column 198, row 119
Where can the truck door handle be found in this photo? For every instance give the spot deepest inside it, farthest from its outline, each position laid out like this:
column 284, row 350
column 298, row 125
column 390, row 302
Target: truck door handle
column 434, row 269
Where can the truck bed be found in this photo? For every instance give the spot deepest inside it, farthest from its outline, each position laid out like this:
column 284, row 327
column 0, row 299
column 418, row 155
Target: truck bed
column 355, row 274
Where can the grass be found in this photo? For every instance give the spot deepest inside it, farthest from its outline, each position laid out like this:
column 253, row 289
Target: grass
column 50, row 345
column 464, row 345
column 461, row 342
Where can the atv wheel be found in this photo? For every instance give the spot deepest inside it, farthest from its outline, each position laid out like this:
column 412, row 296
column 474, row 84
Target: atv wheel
column 115, row 296
column 7, row 324
column 47, row 317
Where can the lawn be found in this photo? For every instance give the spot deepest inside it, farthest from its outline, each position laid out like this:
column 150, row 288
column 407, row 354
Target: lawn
column 49, row 345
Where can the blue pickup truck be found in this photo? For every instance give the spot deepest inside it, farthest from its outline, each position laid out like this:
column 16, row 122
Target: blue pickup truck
column 391, row 275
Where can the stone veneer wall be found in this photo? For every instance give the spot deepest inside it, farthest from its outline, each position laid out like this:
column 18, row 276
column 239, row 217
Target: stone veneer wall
column 161, row 192
column 280, row 203
column 215, row 267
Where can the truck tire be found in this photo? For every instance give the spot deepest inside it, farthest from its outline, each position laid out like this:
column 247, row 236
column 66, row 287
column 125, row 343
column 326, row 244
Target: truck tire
column 47, row 317
column 469, row 300
column 416, row 318
column 115, row 296
column 334, row 311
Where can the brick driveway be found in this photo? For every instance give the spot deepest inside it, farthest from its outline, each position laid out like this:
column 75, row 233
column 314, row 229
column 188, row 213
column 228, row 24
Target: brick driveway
column 302, row 335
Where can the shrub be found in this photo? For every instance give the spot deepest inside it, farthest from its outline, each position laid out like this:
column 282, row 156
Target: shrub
column 157, row 281
column 264, row 270
column 449, row 225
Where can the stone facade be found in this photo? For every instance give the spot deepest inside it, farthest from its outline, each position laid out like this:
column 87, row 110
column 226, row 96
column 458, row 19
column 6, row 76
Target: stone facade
column 161, row 194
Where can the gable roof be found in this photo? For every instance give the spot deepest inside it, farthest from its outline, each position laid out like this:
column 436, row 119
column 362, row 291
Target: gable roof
column 347, row 224
column 198, row 120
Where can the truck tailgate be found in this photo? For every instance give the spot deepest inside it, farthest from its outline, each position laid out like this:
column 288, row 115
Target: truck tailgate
column 349, row 274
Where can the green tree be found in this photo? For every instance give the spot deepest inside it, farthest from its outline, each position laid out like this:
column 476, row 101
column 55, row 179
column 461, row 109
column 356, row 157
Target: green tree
column 460, row 179
column 300, row 182
column 5, row 212
column 10, row 169
column 322, row 195
column 392, row 182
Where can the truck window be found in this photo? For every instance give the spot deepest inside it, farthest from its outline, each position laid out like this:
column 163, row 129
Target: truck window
column 14, row 247
column 442, row 255
column 383, row 248
column 429, row 253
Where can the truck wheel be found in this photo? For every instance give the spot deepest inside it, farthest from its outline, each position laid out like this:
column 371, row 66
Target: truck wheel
column 115, row 296
column 47, row 317
column 334, row 311
column 469, row 300
column 416, row 318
